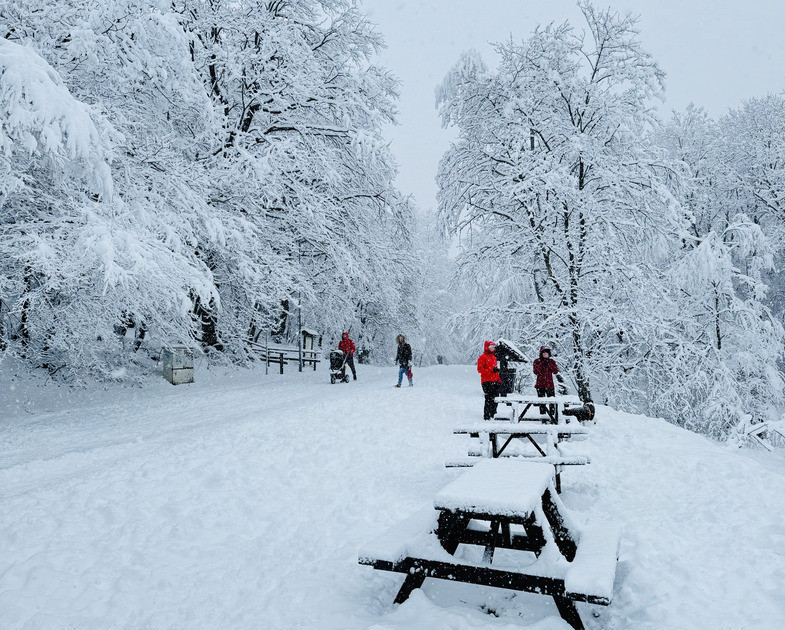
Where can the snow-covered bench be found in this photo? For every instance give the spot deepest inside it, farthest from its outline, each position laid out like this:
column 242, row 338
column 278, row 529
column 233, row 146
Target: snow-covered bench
column 508, row 504
column 496, row 429
column 473, row 458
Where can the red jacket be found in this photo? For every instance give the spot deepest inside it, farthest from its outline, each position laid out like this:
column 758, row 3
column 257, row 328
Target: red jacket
column 346, row 345
column 485, row 365
column 544, row 369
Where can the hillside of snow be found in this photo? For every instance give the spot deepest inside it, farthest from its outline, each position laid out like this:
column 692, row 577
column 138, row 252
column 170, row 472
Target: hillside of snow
column 240, row 502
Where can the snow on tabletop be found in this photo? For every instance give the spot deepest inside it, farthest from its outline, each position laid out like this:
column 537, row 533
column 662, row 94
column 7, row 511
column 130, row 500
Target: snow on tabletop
column 507, row 486
column 594, row 568
column 393, row 545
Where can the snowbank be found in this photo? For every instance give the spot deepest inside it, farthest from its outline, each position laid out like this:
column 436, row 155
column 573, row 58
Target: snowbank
column 241, row 501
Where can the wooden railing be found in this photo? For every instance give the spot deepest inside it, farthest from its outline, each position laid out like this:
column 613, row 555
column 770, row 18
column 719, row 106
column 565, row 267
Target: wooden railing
column 283, row 355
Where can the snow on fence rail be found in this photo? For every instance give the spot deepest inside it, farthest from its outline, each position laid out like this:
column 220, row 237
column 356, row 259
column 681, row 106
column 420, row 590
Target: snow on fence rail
column 281, row 355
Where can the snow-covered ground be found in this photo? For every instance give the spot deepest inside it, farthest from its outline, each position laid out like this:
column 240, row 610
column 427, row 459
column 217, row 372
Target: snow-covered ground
column 241, row 501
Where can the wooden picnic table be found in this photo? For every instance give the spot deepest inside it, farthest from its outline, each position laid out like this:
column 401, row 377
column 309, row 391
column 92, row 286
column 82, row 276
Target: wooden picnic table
column 499, row 434
column 503, row 504
column 553, row 406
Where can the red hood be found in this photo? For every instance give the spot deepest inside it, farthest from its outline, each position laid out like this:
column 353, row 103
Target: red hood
column 488, row 344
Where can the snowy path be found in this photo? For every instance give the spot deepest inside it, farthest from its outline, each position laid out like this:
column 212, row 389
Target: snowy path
column 241, row 501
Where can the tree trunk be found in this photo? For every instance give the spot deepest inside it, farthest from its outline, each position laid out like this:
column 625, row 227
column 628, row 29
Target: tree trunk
column 24, row 330
column 581, row 377
column 278, row 329
column 2, row 329
column 208, row 320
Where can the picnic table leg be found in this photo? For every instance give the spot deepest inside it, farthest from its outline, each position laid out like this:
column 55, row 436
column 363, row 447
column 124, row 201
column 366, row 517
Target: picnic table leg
column 449, row 530
column 537, row 446
column 501, row 450
column 493, row 532
column 568, row 611
column 534, row 534
column 506, row 536
column 486, row 445
column 412, row 581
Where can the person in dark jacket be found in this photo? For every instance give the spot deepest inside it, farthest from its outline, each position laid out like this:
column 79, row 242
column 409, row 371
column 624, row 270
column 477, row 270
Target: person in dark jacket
column 488, row 367
column 545, row 367
column 404, row 360
column 347, row 347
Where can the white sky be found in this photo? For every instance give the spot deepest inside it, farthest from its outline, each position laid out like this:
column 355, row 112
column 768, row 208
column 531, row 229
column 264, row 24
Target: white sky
column 715, row 53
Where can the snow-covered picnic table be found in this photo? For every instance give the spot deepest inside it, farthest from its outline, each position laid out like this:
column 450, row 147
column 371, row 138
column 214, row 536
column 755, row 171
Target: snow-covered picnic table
column 553, row 407
column 506, row 504
column 491, row 432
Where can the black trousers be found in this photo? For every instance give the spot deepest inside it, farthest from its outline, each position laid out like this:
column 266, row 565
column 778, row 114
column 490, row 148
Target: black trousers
column 543, row 392
column 350, row 363
column 491, row 391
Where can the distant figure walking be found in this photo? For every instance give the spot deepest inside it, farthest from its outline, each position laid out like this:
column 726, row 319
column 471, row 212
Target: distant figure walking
column 347, row 347
column 545, row 367
column 488, row 367
column 404, row 360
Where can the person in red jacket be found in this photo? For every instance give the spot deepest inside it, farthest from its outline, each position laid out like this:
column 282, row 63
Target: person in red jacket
column 545, row 367
column 488, row 367
column 347, row 347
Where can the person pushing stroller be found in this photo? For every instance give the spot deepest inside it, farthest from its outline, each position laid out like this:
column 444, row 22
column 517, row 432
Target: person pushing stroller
column 347, row 347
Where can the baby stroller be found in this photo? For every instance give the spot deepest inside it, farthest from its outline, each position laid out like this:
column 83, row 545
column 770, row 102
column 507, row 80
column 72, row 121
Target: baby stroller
column 338, row 367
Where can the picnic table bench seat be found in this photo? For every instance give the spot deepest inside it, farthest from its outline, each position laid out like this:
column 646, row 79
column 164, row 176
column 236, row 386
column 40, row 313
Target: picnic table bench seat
column 561, row 460
column 569, row 563
column 527, row 426
column 501, row 433
column 593, row 568
column 413, row 546
column 399, row 541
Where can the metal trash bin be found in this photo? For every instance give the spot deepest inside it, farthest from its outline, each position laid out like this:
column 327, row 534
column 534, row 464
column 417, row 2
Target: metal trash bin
column 507, row 353
column 178, row 364
column 507, row 375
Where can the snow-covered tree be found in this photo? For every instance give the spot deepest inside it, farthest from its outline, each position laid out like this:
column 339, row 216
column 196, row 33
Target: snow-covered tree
column 722, row 346
column 73, row 249
column 250, row 178
column 434, row 321
column 556, row 192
